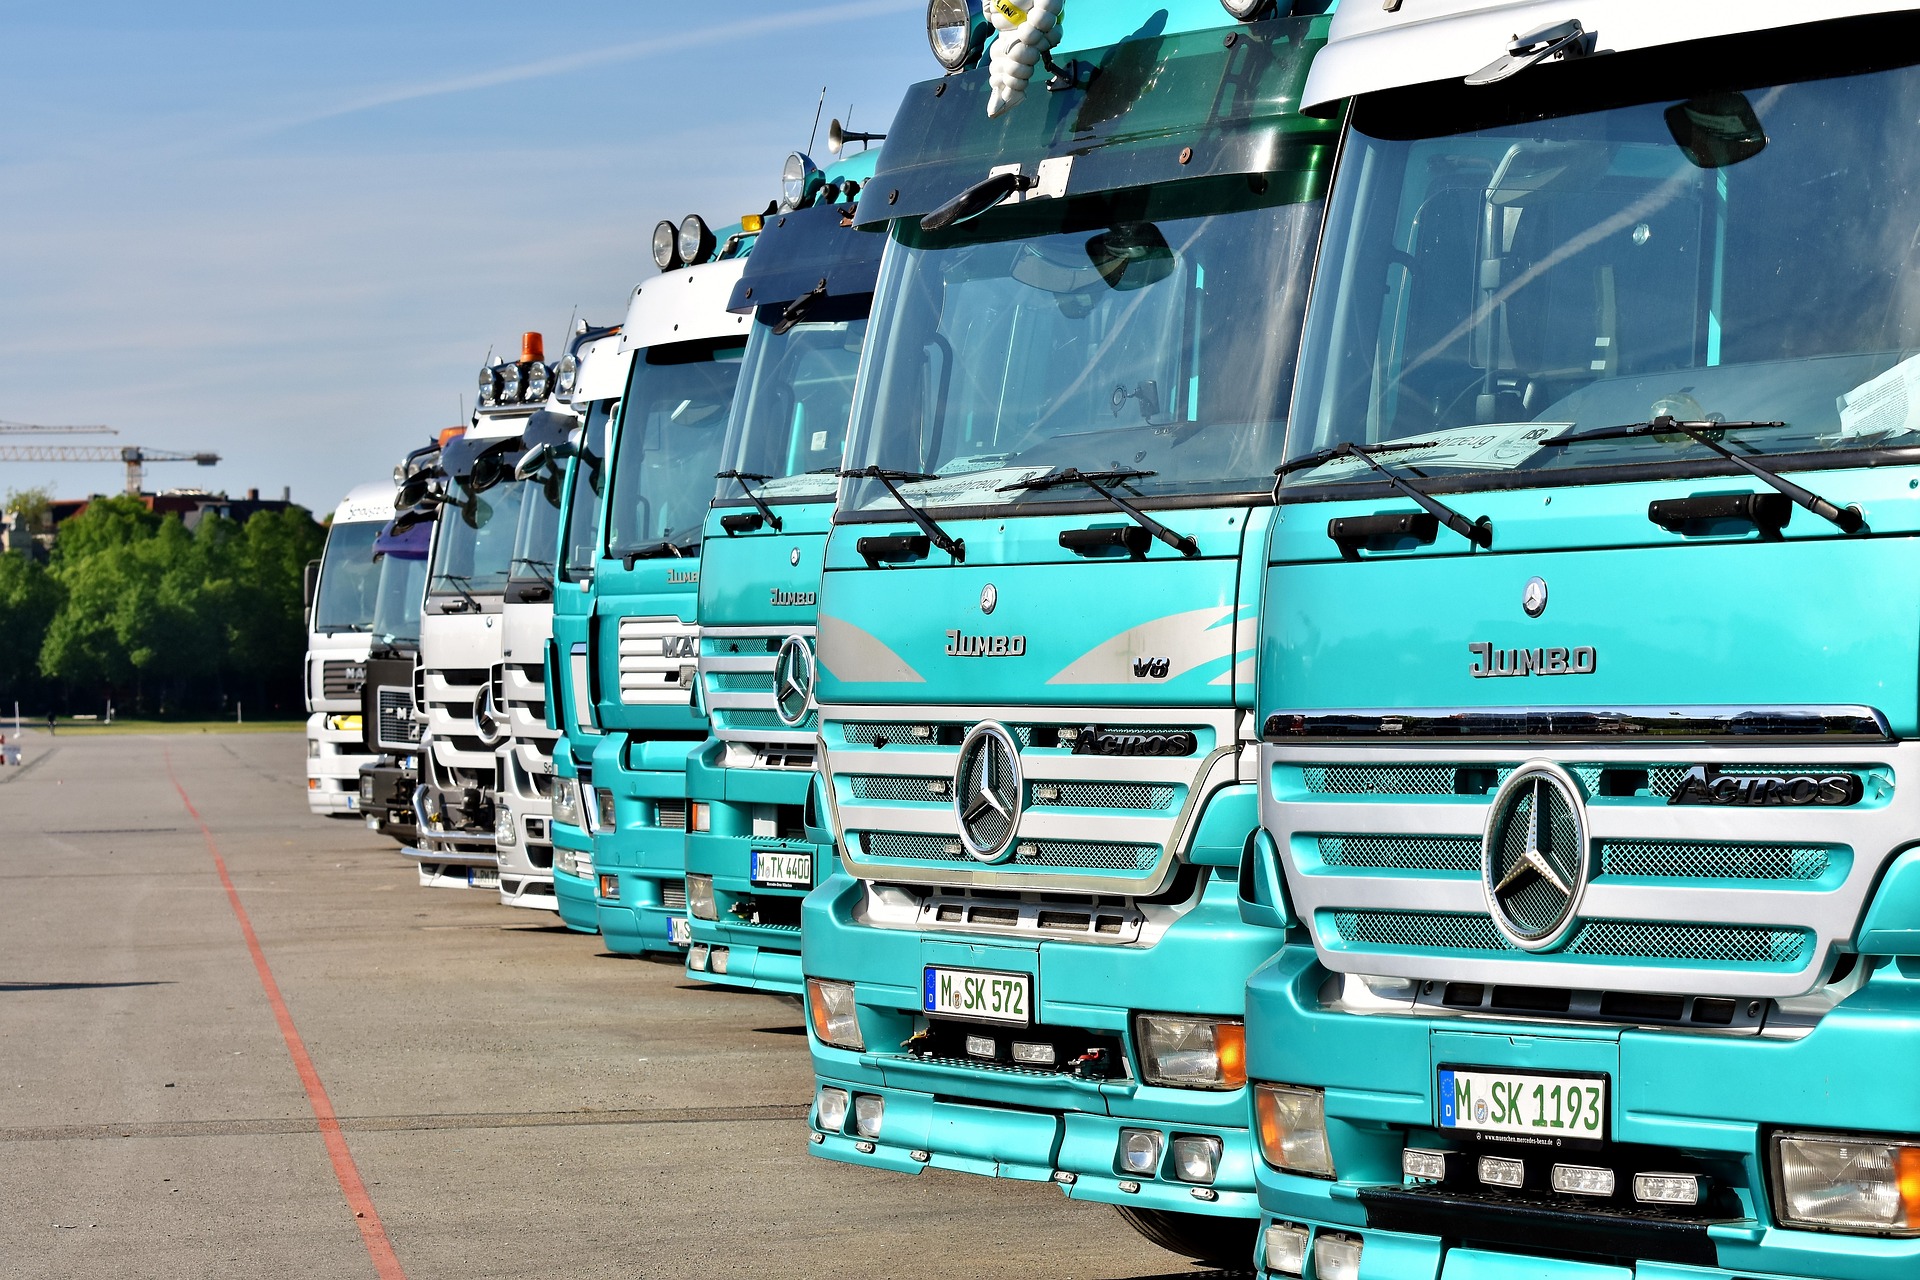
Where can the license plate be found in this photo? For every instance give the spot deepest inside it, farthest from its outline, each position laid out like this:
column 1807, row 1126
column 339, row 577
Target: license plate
column 353, row 803
column 984, row 997
column 1528, row 1105
column 680, row 931
column 782, row 868
column 483, row 877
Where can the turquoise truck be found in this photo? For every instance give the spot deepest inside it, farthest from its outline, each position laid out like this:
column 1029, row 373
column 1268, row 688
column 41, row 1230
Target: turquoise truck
column 642, row 642
column 1587, row 683
column 1037, row 618
column 593, row 381
column 755, row 843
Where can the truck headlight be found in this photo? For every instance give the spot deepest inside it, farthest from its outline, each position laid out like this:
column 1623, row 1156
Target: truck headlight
column 868, row 1112
column 830, row 1109
column 567, row 376
column 1832, row 1182
column 538, row 380
column 1196, row 1158
column 835, row 1016
column 1192, row 1053
column 955, row 31
column 797, row 179
column 700, row 903
column 1292, row 1127
column 566, row 801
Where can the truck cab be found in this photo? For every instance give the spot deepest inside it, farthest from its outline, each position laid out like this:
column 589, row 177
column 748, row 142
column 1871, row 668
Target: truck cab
column 599, row 377
column 390, row 724
column 684, row 348
column 339, row 636
column 755, row 843
column 1588, row 679
column 1037, row 618
column 462, row 637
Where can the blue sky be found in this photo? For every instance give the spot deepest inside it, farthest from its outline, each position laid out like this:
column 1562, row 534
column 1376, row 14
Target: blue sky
column 289, row 234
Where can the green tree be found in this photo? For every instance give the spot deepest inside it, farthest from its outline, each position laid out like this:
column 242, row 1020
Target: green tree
column 29, row 598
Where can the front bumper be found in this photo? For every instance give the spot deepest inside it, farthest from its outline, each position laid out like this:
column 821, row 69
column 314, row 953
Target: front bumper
column 574, row 895
column 1038, row 1124
column 334, row 760
column 1699, row 1102
column 646, row 859
column 758, row 925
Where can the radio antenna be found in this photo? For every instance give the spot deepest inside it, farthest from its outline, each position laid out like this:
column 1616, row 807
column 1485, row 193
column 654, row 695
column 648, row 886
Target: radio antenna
column 816, row 119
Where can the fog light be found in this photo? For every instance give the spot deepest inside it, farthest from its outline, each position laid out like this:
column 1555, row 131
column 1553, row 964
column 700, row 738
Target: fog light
column 1846, row 1184
column 1336, row 1258
column 1140, row 1151
column 868, row 1111
column 604, row 802
column 830, row 1109
column 1192, row 1053
column 699, row 816
column 981, row 1047
column 1292, row 1127
column 1667, row 1188
column 1287, row 1249
column 504, row 832
column 1196, row 1159
column 1424, row 1166
column 610, row 887
column 1582, row 1180
column 700, row 903
column 1034, row 1055
column 834, row 1015
column 1497, row 1171
column 697, row 957
column 719, row 957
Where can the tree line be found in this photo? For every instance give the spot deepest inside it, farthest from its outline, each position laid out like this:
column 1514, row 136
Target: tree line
column 135, row 608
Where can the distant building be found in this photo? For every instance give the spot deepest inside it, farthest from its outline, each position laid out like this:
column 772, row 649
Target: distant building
column 191, row 505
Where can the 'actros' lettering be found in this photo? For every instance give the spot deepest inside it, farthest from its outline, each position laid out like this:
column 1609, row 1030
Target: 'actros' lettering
column 1489, row 662
column 961, row 645
column 1704, row 784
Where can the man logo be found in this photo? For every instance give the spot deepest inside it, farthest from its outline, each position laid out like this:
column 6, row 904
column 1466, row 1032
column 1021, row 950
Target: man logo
column 680, row 647
column 987, row 792
column 1534, row 865
column 793, row 680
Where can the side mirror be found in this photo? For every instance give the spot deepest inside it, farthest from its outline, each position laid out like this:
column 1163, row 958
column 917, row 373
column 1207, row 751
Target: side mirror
column 977, row 199
column 412, row 493
column 533, row 462
column 488, row 470
column 310, row 583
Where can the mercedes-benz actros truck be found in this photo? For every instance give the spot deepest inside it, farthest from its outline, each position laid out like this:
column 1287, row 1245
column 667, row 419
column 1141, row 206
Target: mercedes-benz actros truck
column 1037, row 620
column 1588, row 682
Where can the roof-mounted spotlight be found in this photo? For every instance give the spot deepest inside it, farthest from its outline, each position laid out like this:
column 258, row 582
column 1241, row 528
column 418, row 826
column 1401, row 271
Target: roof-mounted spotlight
column 537, row 383
column 798, row 178
column 1248, row 10
column 666, row 246
column 839, row 136
column 957, row 30
column 489, row 384
column 695, row 239
column 567, row 376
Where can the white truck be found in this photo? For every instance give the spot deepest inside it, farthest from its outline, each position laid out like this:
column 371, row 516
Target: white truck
column 342, row 588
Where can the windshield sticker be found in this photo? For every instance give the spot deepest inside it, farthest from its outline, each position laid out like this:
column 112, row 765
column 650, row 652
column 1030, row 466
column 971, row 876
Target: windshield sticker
column 1885, row 406
column 1499, row 447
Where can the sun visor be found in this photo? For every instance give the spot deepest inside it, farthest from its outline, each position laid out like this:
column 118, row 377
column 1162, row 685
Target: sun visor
column 1131, row 126
column 603, row 370
column 410, row 541
column 458, row 457
column 805, row 250
column 550, row 428
column 1373, row 47
column 683, row 305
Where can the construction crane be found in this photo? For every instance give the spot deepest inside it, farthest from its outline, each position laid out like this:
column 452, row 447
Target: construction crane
column 133, row 456
column 34, row 428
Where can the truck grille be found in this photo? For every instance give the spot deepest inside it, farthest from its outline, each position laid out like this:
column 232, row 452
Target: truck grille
column 1639, row 940
column 342, row 679
column 397, row 728
column 657, row 657
column 1658, row 782
column 670, row 815
column 736, row 670
column 673, row 895
column 1033, row 853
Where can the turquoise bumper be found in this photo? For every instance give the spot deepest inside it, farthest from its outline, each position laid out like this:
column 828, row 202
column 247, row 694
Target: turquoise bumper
column 757, row 935
column 574, row 894
column 646, row 860
column 1697, row 1102
column 1031, row 1123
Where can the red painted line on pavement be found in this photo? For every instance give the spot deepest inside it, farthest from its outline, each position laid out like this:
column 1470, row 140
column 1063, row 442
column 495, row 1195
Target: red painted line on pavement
column 379, row 1249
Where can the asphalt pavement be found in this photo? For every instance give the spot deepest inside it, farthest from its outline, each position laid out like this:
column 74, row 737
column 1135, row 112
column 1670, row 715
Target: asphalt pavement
column 393, row 1081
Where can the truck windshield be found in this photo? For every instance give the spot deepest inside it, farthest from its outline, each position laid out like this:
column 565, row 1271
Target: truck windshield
column 1151, row 330
column 673, row 421
column 474, row 541
column 537, row 539
column 348, row 579
column 583, row 498
column 1724, row 233
column 796, row 393
column 396, row 613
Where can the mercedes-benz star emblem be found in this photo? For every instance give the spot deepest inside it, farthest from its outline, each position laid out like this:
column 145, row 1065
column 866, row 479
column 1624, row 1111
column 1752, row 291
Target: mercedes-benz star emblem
column 486, row 720
column 988, row 598
column 793, row 680
column 793, row 557
column 1534, row 864
column 1534, row 598
column 987, row 792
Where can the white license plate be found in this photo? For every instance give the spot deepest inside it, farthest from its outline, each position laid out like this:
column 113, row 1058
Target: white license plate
column 1529, row 1105
column 985, row 997
column 782, row 868
column 483, row 877
column 680, row 931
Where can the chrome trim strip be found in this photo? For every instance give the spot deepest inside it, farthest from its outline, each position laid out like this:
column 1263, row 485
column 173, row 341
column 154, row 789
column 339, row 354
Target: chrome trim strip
column 1799, row 724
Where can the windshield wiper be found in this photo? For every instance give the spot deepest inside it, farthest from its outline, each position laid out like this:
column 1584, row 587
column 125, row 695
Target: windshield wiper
column 654, row 550
column 746, row 480
column 537, row 566
column 1478, row 532
column 796, row 311
column 1846, row 519
column 955, row 547
column 1098, row 482
column 457, row 580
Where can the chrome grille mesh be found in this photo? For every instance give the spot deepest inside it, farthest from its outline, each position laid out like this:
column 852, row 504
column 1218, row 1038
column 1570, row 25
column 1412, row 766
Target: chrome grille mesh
column 673, row 895
column 865, row 733
column 1403, row 853
column 1089, row 854
column 670, row 815
column 1609, row 939
column 1105, row 795
column 1688, row 860
column 1419, row 930
column 742, row 681
column 916, row 790
column 1661, row 781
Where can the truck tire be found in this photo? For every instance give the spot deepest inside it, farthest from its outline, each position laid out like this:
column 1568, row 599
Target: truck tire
column 1226, row 1243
